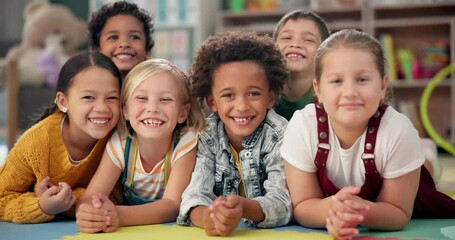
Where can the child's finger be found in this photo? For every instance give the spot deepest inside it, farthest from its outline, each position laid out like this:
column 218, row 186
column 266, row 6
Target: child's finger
column 358, row 206
column 51, row 191
column 96, row 202
column 91, row 227
column 340, row 233
column 231, row 201
column 349, row 219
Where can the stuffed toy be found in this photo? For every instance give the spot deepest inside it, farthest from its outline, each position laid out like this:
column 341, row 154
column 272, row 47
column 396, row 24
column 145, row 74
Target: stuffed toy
column 51, row 34
column 52, row 59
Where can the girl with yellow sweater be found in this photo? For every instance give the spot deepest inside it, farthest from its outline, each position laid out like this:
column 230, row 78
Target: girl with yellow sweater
column 53, row 161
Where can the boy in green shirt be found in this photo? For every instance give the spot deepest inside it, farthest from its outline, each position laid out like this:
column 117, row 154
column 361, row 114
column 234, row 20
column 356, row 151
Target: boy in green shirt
column 298, row 35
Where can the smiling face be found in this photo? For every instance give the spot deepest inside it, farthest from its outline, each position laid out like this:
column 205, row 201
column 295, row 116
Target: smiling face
column 155, row 107
column 123, row 41
column 241, row 96
column 298, row 41
column 93, row 104
column 350, row 87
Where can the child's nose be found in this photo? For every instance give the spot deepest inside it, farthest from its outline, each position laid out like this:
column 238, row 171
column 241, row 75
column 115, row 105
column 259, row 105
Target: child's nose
column 153, row 106
column 125, row 42
column 101, row 106
column 242, row 104
column 296, row 43
column 350, row 88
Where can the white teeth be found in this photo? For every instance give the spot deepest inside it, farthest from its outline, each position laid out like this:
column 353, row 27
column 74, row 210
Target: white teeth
column 124, row 56
column 242, row 119
column 294, row 55
column 152, row 122
column 99, row 121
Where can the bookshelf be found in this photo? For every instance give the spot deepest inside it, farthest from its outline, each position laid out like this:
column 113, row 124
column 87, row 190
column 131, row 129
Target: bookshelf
column 418, row 27
column 412, row 26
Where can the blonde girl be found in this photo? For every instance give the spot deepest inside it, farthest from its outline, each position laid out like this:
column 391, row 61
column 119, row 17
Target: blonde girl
column 153, row 152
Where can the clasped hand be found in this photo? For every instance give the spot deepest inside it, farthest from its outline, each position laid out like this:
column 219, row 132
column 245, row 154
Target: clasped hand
column 97, row 214
column 346, row 213
column 223, row 215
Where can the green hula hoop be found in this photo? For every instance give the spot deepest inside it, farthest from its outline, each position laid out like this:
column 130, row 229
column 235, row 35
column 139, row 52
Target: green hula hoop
column 424, row 108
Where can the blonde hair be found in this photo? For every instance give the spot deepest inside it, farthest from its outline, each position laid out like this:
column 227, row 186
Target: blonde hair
column 152, row 67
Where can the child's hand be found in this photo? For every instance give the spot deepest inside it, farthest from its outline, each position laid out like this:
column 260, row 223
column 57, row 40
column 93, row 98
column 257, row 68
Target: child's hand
column 209, row 225
column 113, row 220
column 57, row 199
column 97, row 214
column 43, row 186
column 346, row 213
column 227, row 213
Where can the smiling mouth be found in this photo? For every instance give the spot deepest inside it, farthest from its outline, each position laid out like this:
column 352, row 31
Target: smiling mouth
column 241, row 120
column 295, row 55
column 99, row 121
column 153, row 122
column 124, row 56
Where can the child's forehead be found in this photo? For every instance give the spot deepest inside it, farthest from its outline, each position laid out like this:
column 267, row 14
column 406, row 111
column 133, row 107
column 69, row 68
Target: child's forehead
column 124, row 20
column 240, row 74
column 299, row 22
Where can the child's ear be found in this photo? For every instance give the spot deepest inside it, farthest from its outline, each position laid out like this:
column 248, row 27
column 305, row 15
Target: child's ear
column 60, row 101
column 184, row 113
column 316, row 88
column 272, row 99
column 211, row 103
column 384, row 83
column 125, row 112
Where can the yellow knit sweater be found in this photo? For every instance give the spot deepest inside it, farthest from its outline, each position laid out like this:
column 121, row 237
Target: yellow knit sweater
column 40, row 152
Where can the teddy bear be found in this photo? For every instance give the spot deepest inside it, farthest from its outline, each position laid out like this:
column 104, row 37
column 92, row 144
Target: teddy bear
column 48, row 29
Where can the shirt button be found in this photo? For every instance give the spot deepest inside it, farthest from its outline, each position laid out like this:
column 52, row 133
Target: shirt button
column 248, row 154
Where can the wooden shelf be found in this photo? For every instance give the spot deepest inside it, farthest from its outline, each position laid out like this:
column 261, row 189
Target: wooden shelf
column 406, row 22
column 417, row 83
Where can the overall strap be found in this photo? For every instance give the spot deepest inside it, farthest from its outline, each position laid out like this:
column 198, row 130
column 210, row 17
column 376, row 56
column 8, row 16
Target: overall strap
column 323, row 136
column 370, row 140
column 130, row 155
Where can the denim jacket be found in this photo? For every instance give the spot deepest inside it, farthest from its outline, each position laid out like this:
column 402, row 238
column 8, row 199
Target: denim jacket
column 216, row 173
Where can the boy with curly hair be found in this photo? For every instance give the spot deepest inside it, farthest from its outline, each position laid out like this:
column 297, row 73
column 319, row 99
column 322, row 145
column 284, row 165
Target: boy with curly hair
column 123, row 32
column 239, row 172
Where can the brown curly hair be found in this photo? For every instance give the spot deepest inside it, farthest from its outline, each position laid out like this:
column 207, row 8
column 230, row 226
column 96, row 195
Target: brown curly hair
column 235, row 46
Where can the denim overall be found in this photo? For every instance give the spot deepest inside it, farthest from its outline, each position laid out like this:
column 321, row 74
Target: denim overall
column 130, row 155
column 429, row 202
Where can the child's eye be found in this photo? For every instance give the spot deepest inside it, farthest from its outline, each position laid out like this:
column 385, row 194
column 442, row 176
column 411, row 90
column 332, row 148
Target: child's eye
column 363, row 79
column 141, row 98
column 227, row 95
column 255, row 94
column 88, row 97
column 336, row 81
column 166, row 100
column 112, row 37
column 285, row 38
column 113, row 98
column 309, row 40
column 136, row 37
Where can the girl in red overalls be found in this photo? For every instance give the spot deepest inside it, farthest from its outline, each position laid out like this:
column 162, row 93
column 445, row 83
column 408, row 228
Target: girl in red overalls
column 350, row 159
